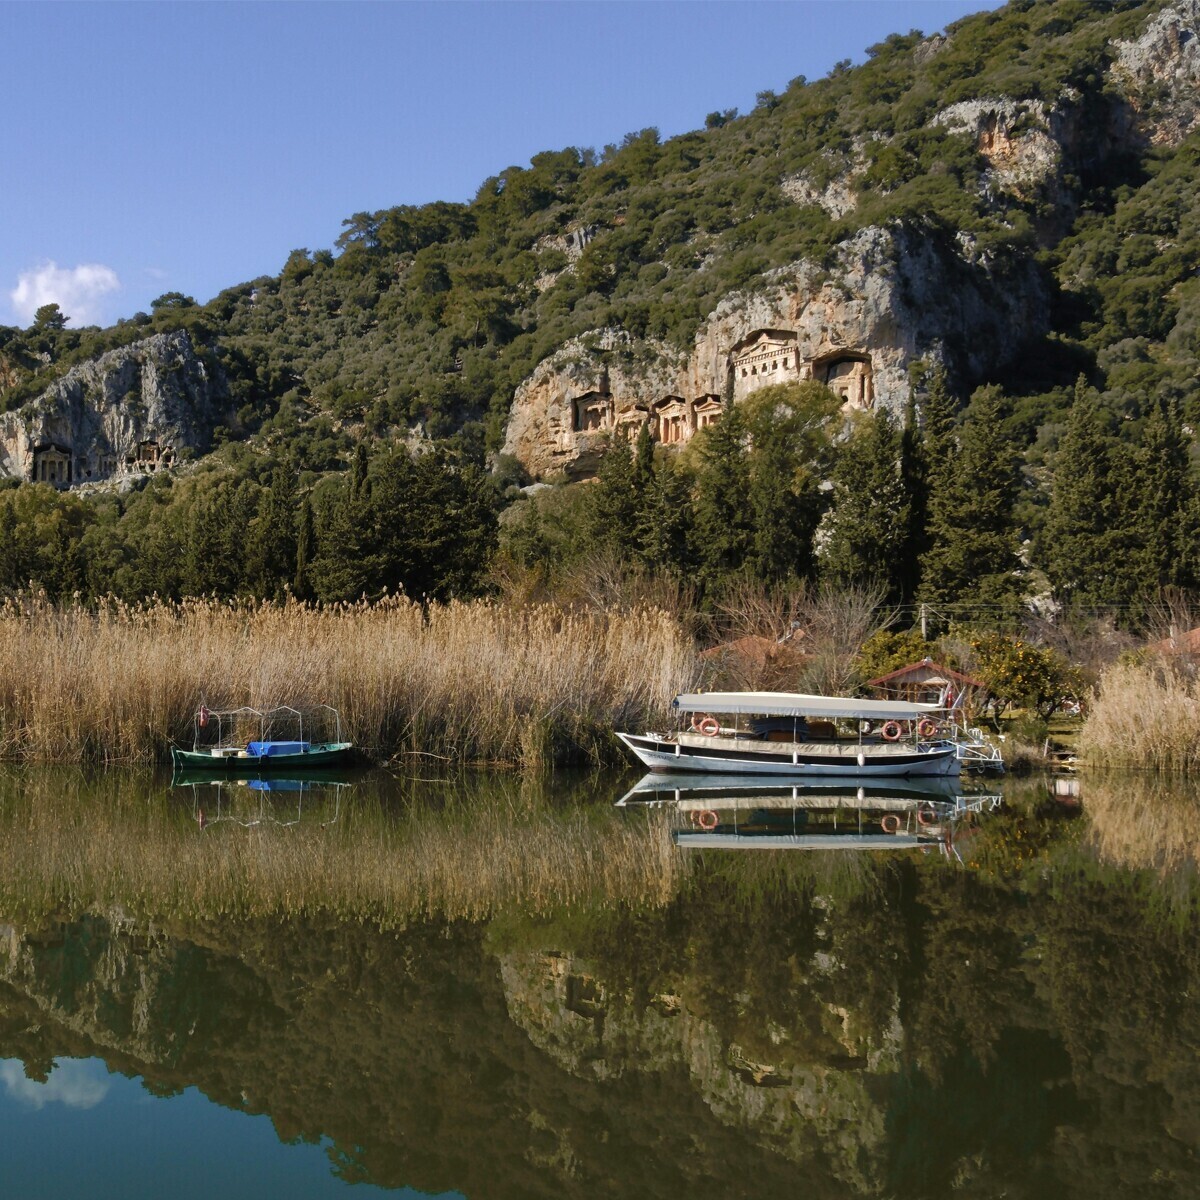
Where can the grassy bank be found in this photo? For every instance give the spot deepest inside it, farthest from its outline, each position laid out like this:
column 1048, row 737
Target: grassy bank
column 1144, row 715
column 475, row 682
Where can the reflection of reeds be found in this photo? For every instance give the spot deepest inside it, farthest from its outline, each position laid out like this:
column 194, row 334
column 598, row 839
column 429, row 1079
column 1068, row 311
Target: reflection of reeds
column 1142, row 823
column 1143, row 715
column 116, row 842
column 479, row 681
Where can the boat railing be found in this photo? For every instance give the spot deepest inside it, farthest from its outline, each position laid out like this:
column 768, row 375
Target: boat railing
column 974, row 750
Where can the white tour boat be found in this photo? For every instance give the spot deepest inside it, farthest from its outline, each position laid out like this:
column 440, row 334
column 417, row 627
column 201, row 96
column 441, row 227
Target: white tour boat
column 789, row 733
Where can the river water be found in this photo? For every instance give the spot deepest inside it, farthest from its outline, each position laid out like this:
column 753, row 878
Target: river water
column 484, row 986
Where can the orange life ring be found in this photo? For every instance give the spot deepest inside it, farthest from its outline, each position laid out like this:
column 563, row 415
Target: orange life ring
column 707, row 819
column 891, row 731
column 926, row 816
column 927, row 727
column 890, row 823
column 709, row 726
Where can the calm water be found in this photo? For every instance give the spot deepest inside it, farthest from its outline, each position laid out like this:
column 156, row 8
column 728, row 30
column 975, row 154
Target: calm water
column 484, row 987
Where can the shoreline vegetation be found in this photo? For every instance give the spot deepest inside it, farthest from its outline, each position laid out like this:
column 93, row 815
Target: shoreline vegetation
column 1144, row 716
column 503, row 683
column 473, row 682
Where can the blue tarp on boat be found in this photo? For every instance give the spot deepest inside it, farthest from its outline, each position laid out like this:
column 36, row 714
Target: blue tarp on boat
column 271, row 749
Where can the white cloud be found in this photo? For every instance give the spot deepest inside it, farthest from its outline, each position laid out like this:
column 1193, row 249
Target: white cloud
column 78, row 291
column 73, row 1082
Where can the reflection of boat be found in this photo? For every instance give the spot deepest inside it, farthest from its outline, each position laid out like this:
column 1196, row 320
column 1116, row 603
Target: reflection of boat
column 224, row 741
column 670, row 789
column 748, row 812
column 788, row 733
column 219, row 796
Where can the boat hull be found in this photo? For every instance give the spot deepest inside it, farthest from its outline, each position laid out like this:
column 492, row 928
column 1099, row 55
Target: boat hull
column 334, row 754
column 798, row 761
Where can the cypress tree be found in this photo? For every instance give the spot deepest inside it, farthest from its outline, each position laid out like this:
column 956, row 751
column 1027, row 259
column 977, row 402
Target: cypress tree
column 972, row 558
column 869, row 524
column 723, row 531
column 1085, row 540
column 1160, row 505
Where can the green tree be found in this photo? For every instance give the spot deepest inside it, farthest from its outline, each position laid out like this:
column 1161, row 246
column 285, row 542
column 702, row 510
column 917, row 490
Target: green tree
column 50, row 317
column 1085, row 545
column 972, row 557
column 868, row 527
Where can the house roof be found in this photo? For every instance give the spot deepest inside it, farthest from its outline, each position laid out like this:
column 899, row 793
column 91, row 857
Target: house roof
column 1181, row 643
column 949, row 674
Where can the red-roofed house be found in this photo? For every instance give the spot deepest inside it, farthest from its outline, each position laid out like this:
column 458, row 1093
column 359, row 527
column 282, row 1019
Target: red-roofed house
column 928, row 682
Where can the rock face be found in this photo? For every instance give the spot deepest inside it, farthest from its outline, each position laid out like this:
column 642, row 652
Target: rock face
column 129, row 412
column 1022, row 141
column 1160, row 73
column 893, row 295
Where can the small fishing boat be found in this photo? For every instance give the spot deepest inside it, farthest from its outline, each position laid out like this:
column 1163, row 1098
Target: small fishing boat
column 792, row 734
column 243, row 741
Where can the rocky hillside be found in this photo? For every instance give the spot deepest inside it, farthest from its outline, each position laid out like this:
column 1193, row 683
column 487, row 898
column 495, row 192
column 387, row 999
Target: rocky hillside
column 131, row 411
column 1007, row 209
column 911, row 208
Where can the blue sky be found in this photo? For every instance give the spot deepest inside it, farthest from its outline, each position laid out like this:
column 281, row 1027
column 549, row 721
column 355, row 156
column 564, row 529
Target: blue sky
column 158, row 147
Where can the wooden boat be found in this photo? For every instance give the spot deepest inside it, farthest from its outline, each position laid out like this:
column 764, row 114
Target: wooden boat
column 220, row 741
column 792, row 734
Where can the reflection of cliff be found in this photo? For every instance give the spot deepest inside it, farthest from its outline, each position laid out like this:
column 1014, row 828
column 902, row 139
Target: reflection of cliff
column 901, row 1030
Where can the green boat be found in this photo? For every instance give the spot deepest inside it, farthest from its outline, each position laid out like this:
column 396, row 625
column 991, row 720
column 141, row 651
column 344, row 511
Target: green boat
column 223, row 741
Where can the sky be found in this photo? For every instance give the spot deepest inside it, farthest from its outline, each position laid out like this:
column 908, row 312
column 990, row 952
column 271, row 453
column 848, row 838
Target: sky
column 190, row 146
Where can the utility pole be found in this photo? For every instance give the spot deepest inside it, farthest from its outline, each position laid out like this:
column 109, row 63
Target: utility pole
column 924, row 626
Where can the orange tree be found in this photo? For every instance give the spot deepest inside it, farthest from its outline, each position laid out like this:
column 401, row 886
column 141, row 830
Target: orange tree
column 1022, row 675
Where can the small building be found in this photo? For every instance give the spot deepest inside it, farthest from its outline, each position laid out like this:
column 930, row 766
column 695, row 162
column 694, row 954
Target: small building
column 929, row 682
column 1180, row 643
column 849, row 375
column 592, row 412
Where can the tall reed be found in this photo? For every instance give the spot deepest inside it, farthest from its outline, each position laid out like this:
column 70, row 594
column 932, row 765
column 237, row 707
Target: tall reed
column 1143, row 715
column 469, row 681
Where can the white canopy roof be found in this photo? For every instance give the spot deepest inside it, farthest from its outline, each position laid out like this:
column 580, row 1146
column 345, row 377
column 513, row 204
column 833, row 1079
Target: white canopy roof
column 796, row 704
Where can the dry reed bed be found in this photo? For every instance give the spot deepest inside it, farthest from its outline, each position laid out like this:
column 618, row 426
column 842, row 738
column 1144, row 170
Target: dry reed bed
column 471, row 681
column 70, row 849
column 1145, row 716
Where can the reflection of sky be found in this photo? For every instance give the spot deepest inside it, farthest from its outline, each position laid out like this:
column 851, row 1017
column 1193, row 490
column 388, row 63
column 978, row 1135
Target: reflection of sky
column 77, row 1083
column 90, row 1132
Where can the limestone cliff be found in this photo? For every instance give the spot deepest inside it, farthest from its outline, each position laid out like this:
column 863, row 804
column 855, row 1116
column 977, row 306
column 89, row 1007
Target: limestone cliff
column 1159, row 72
column 130, row 411
column 892, row 296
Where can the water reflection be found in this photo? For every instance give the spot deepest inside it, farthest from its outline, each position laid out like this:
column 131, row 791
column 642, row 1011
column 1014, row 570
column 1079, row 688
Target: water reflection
column 69, row 1082
column 217, row 799
column 505, row 988
column 723, row 812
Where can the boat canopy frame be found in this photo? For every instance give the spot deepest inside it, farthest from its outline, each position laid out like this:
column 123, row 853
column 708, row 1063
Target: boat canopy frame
column 227, row 721
column 798, row 704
